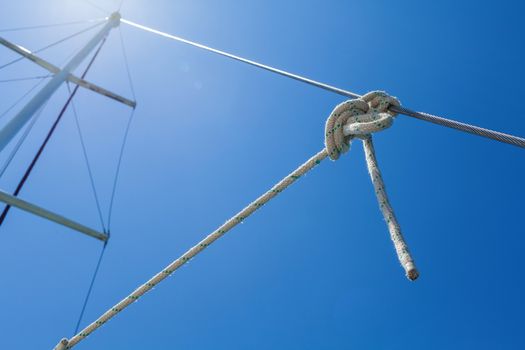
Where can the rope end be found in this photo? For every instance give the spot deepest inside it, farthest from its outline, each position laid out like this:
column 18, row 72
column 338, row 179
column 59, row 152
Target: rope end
column 62, row 345
column 412, row 273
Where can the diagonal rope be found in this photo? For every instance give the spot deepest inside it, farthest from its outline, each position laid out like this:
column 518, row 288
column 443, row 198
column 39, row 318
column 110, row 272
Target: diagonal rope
column 53, row 44
column 51, row 25
column 472, row 129
column 356, row 118
column 218, row 233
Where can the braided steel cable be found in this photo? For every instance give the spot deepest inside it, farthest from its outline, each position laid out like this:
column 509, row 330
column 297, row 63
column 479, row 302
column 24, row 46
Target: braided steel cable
column 472, row 129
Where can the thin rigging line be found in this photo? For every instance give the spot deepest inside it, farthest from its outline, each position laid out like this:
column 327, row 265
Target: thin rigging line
column 53, row 44
column 91, row 284
column 126, row 61
column 495, row 135
column 244, row 60
column 48, row 136
column 23, row 96
column 24, row 79
column 126, row 132
column 41, row 77
column 86, row 158
column 100, row 8
column 119, row 163
column 51, row 25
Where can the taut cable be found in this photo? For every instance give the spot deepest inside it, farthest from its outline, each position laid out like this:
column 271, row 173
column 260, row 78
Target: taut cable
column 472, row 129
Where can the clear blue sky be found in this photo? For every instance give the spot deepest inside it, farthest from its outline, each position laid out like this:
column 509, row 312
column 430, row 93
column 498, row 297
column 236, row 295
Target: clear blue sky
column 315, row 269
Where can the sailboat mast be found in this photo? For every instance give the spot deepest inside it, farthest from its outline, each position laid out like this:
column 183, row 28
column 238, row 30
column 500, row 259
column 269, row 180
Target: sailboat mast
column 9, row 131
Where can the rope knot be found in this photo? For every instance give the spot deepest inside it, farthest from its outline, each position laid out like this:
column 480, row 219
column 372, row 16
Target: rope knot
column 357, row 118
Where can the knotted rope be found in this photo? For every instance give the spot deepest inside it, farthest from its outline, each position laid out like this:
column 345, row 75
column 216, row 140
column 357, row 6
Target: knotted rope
column 360, row 118
column 356, row 118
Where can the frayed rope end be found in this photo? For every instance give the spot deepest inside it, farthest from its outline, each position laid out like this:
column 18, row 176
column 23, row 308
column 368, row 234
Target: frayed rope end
column 412, row 273
column 62, row 345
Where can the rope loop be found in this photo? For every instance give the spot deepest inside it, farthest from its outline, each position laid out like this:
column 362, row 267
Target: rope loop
column 357, row 118
column 360, row 118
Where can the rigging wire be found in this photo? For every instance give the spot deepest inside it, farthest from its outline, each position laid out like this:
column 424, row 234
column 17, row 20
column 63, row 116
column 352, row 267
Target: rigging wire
column 495, row 135
column 53, row 44
column 120, row 5
column 119, row 165
column 86, row 159
column 117, row 172
column 23, row 79
column 50, row 25
column 23, row 96
column 126, row 132
column 126, row 62
column 100, row 8
column 90, row 288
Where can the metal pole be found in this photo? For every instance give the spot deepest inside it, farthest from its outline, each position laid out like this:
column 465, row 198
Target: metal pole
column 13, row 127
column 35, row 209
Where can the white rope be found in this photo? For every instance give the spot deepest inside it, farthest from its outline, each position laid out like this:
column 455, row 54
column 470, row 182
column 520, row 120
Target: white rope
column 400, row 245
column 367, row 113
column 360, row 118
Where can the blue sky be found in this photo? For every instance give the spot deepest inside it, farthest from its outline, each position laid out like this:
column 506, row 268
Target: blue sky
column 315, row 269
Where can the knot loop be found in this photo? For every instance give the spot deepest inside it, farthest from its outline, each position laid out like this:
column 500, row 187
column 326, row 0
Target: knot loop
column 360, row 118
column 357, row 118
